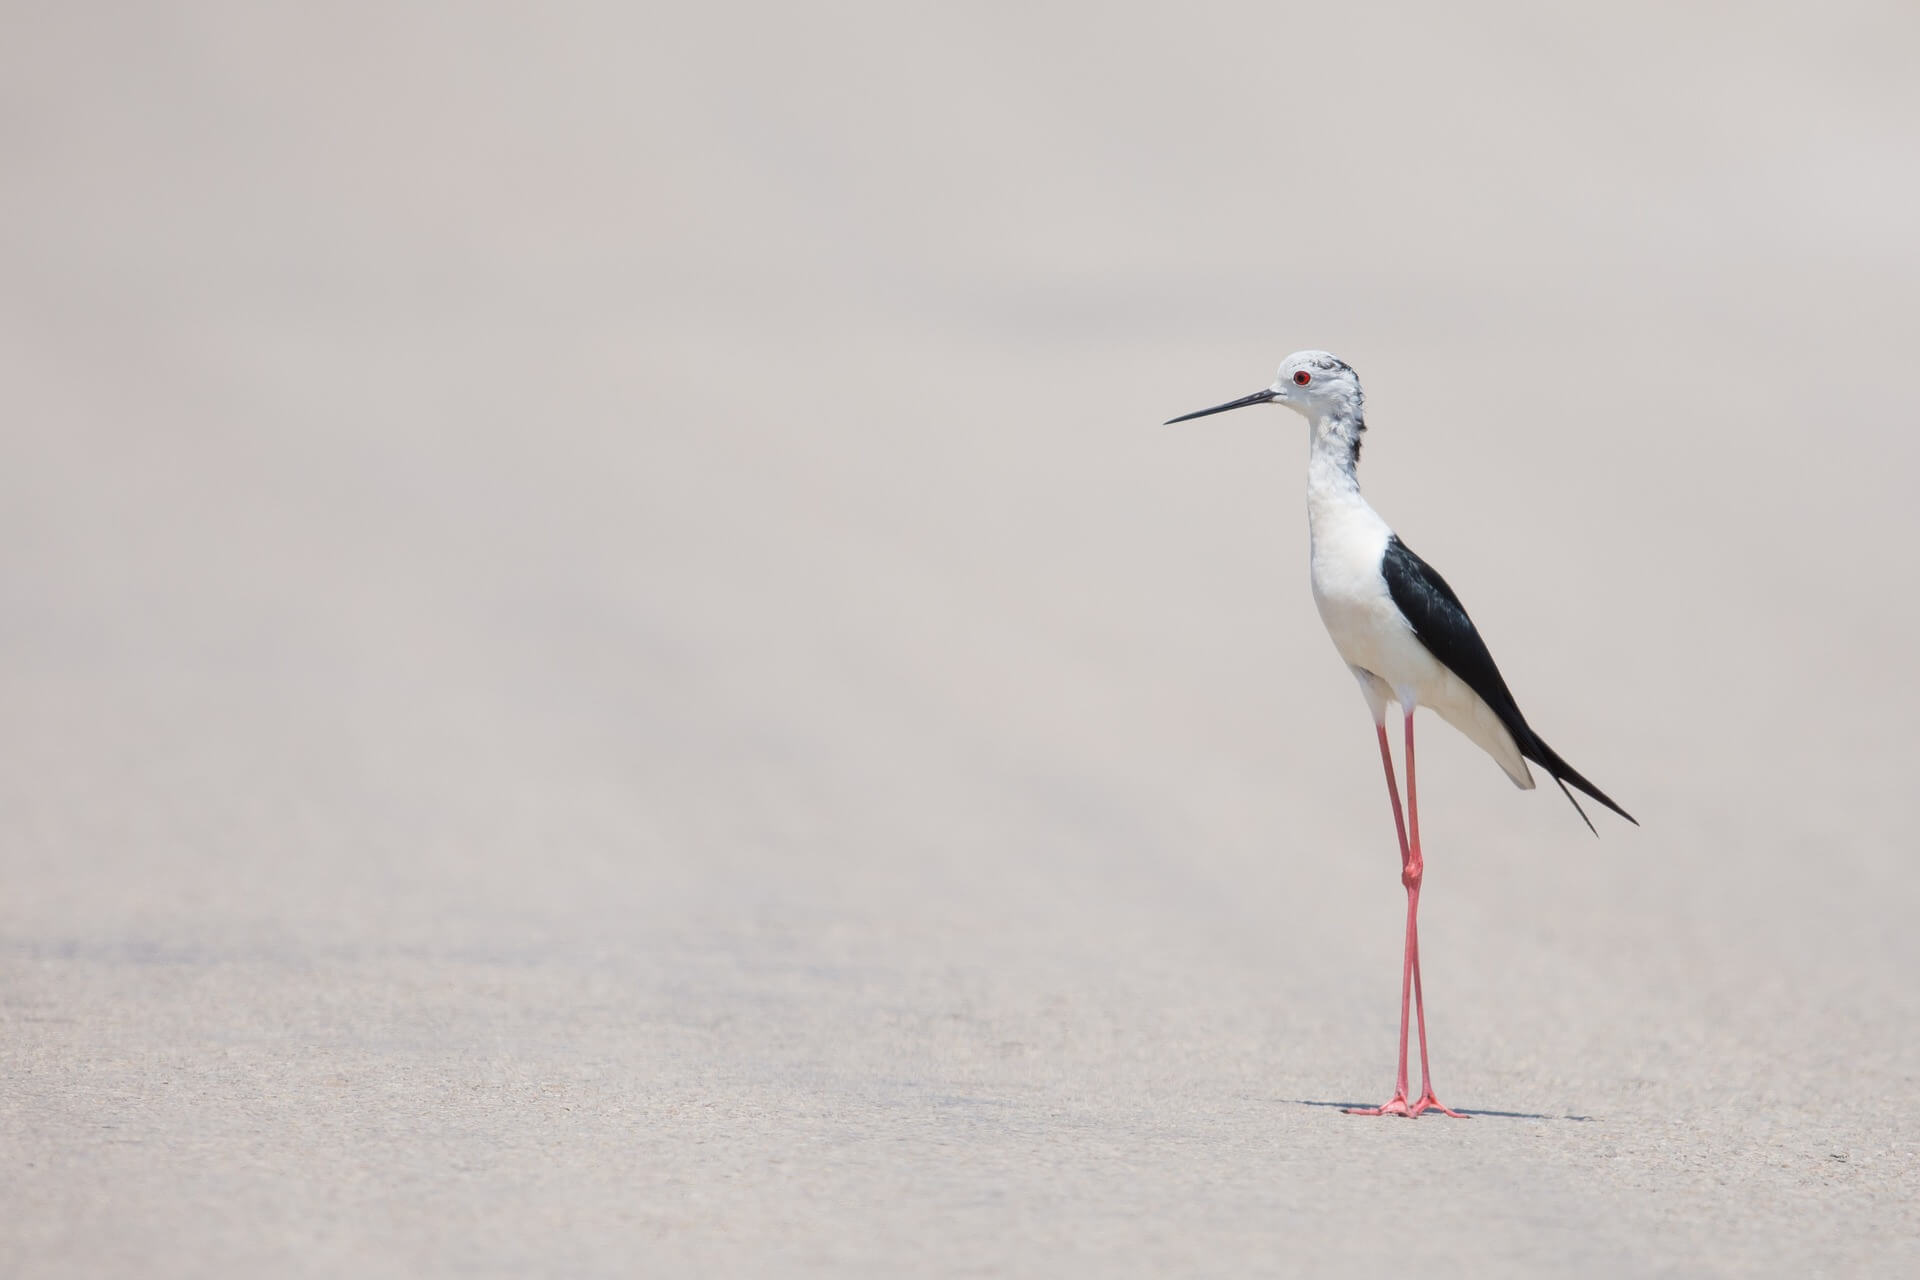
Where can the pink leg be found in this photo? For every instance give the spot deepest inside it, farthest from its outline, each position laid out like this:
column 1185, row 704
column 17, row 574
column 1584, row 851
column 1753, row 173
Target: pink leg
column 1411, row 877
column 1408, row 973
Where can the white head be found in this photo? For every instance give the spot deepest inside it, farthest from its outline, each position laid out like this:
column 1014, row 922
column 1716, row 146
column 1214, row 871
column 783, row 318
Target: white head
column 1321, row 387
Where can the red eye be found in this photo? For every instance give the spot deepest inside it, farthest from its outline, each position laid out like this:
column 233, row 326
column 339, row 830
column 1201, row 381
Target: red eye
column 1302, row 378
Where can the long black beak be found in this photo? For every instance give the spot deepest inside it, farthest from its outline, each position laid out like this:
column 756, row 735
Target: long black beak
column 1258, row 397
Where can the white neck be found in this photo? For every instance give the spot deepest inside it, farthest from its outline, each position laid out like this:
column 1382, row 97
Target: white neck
column 1334, row 454
column 1345, row 536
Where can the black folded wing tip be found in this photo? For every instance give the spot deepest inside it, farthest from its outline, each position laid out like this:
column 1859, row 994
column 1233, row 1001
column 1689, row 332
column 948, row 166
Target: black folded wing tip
column 1563, row 773
column 1576, row 805
column 1440, row 622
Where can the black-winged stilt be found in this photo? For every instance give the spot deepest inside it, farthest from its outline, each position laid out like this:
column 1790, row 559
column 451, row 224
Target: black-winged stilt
column 1406, row 638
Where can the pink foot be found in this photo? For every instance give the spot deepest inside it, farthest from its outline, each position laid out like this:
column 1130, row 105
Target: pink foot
column 1398, row 1107
column 1431, row 1103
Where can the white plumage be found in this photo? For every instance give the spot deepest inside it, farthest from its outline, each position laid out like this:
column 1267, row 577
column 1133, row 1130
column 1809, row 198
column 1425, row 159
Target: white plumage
column 1347, row 542
column 1405, row 637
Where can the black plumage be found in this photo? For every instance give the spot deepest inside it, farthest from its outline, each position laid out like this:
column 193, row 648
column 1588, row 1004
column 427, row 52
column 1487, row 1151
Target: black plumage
column 1440, row 622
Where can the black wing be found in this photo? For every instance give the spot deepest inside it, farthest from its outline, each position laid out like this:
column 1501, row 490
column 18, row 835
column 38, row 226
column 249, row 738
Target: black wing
column 1440, row 622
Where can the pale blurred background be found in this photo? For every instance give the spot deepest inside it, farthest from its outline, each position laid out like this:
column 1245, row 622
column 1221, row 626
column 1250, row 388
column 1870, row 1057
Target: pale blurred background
column 605, row 668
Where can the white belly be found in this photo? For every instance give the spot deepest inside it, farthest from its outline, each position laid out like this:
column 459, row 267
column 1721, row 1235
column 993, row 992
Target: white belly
column 1352, row 597
column 1348, row 539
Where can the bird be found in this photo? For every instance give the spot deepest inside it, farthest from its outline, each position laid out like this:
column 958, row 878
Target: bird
column 1407, row 639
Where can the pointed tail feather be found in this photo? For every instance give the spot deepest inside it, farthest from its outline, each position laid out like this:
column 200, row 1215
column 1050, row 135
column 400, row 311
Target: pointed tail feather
column 1562, row 773
column 1577, row 809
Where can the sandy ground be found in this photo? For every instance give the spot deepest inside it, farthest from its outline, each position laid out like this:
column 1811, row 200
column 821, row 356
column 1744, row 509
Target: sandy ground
column 605, row 669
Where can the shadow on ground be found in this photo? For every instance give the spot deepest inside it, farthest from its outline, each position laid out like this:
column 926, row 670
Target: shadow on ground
column 1468, row 1111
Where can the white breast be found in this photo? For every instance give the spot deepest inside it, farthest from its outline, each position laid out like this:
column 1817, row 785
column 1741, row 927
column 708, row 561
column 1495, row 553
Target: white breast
column 1347, row 540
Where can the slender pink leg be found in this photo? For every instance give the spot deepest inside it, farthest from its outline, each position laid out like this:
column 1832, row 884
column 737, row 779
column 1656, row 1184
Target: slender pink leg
column 1408, row 973
column 1411, row 877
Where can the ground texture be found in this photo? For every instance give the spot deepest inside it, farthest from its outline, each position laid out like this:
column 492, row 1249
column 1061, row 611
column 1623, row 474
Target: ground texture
column 605, row 670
